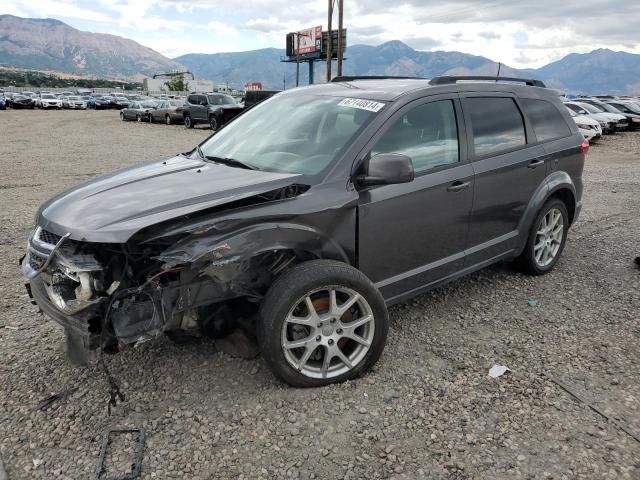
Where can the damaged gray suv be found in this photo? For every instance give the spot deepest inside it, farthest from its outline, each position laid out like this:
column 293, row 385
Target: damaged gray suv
column 304, row 218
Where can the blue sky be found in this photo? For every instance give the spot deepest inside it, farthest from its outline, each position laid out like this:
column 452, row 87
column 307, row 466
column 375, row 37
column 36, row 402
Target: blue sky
column 517, row 33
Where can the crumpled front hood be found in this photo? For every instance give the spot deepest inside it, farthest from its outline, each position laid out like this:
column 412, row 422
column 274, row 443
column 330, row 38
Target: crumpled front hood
column 114, row 207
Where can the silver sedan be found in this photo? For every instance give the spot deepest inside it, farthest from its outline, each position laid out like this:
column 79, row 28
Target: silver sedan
column 167, row 111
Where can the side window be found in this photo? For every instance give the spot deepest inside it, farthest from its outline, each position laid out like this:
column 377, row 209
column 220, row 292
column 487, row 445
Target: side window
column 428, row 134
column 202, row 100
column 547, row 121
column 497, row 124
column 193, row 99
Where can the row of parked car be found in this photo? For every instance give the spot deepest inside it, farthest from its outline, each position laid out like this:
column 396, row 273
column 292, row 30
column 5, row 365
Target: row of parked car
column 213, row 109
column 80, row 100
column 600, row 116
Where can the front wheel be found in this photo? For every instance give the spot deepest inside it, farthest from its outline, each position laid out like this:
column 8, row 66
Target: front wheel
column 213, row 122
column 188, row 123
column 122, row 117
column 547, row 239
column 167, row 119
column 138, row 118
column 150, row 119
column 322, row 322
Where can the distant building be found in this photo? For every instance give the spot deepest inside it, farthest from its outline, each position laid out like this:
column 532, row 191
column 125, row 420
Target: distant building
column 253, row 86
column 159, row 85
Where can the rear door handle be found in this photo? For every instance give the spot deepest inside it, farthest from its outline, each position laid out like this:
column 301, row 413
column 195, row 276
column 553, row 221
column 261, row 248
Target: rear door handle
column 535, row 163
column 457, row 186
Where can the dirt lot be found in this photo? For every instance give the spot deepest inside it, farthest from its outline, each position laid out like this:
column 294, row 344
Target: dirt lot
column 428, row 410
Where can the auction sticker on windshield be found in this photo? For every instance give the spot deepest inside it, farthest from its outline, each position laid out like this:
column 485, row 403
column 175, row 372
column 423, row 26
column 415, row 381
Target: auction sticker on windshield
column 368, row 105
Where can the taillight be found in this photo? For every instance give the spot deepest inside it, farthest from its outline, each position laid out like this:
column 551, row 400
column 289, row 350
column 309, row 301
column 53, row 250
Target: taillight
column 585, row 147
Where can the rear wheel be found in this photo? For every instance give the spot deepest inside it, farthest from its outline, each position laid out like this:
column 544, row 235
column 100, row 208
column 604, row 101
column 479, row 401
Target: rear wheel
column 122, row 117
column 188, row 122
column 546, row 239
column 322, row 322
column 150, row 118
column 167, row 119
column 138, row 118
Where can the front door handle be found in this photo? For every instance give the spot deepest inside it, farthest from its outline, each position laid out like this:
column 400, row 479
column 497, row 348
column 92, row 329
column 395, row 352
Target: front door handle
column 457, row 186
column 535, row 163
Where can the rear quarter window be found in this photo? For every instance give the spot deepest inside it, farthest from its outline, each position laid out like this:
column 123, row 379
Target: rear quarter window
column 548, row 123
column 497, row 125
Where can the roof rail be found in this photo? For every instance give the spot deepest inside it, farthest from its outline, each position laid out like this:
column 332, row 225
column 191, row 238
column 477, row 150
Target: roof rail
column 349, row 78
column 450, row 80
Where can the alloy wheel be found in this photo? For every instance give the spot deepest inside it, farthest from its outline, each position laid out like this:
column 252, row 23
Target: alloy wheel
column 548, row 237
column 328, row 332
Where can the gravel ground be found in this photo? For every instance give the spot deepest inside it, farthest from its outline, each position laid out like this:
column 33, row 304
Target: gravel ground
column 428, row 409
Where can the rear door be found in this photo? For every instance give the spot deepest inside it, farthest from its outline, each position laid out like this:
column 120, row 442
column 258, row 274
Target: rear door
column 509, row 166
column 413, row 234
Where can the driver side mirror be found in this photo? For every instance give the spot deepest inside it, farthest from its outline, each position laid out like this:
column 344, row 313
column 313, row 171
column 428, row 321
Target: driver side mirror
column 387, row 169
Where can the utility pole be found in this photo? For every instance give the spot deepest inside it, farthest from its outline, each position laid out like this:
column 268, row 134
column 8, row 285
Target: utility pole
column 340, row 48
column 340, row 26
column 329, row 40
column 297, row 58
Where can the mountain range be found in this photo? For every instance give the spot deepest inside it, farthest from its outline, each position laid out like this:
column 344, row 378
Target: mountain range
column 48, row 44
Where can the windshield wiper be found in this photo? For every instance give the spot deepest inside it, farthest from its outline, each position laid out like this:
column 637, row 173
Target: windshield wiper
column 231, row 162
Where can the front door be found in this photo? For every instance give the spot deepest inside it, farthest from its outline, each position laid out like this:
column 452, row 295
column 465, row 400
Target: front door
column 414, row 234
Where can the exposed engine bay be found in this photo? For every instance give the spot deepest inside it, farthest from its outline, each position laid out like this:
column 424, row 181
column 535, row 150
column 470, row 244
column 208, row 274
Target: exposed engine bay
column 115, row 295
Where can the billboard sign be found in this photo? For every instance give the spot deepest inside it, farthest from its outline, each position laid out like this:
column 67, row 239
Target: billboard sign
column 307, row 41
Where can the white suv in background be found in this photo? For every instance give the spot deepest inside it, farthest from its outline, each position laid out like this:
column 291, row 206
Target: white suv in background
column 48, row 100
column 614, row 120
column 589, row 128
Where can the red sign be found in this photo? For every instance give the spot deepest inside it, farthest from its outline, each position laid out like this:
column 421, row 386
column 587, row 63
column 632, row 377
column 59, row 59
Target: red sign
column 307, row 41
column 253, row 86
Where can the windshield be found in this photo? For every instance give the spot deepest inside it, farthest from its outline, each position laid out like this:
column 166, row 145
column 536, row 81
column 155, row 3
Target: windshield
column 74, row 98
column 608, row 108
column 634, row 107
column 590, row 108
column 48, row 97
column 221, row 100
column 292, row 133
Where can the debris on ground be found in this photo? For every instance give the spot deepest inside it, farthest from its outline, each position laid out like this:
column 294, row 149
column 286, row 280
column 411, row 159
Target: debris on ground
column 54, row 397
column 574, row 393
column 498, row 370
column 136, row 458
column 532, row 303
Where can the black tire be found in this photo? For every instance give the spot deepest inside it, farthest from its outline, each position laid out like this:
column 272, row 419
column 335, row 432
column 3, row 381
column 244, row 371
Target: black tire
column 122, row 117
column 287, row 291
column 527, row 261
column 187, row 121
column 150, row 118
column 138, row 118
column 167, row 119
column 213, row 122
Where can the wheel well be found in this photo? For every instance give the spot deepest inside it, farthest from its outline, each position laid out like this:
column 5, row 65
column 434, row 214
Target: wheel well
column 566, row 196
